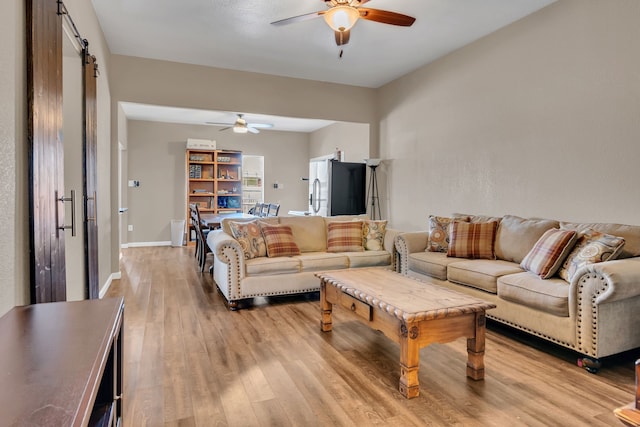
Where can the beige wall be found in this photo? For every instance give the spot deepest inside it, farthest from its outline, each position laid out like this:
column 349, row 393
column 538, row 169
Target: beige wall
column 14, row 275
column 351, row 138
column 156, row 158
column 538, row 119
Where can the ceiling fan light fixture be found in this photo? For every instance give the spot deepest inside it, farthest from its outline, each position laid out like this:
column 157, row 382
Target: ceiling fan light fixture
column 341, row 18
column 240, row 129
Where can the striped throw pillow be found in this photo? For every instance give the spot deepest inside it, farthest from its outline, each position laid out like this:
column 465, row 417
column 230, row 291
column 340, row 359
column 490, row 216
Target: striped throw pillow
column 472, row 240
column 344, row 236
column 549, row 252
column 279, row 240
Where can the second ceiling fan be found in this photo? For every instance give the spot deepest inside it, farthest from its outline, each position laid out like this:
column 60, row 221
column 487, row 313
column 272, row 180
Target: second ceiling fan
column 342, row 15
column 241, row 125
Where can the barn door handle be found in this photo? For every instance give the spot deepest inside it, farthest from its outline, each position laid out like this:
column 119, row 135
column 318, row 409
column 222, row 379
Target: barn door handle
column 95, row 206
column 71, row 199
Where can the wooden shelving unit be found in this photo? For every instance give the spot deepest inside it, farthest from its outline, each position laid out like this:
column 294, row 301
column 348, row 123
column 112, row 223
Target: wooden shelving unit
column 214, row 182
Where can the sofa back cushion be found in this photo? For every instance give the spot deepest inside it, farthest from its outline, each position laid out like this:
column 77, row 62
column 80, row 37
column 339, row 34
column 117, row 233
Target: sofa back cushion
column 309, row 232
column 630, row 234
column 516, row 236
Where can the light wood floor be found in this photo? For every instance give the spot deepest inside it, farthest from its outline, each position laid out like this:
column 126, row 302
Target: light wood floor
column 189, row 361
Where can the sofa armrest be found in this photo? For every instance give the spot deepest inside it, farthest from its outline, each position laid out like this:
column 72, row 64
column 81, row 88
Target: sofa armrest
column 605, row 299
column 408, row 243
column 390, row 246
column 618, row 280
column 227, row 250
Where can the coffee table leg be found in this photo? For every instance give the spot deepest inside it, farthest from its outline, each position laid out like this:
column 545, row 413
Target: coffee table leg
column 326, row 307
column 409, row 361
column 475, row 349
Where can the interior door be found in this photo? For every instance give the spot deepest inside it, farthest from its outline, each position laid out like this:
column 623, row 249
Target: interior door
column 46, row 156
column 90, row 187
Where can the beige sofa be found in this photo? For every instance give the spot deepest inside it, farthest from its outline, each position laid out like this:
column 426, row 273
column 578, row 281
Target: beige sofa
column 596, row 314
column 239, row 278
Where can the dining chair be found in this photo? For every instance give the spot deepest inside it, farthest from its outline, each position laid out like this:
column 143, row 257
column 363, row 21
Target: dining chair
column 273, row 209
column 202, row 248
column 264, row 209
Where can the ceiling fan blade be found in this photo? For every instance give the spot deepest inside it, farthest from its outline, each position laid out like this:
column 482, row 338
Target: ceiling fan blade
column 219, row 124
column 298, row 18
column 252, row 130
column 260, row 125
column 228, row 127
column 342, row 37
column 386, row 17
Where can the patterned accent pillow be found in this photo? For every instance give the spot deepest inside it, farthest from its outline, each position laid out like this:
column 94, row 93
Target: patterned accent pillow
column 373, row 235
column 592, row 247
column 344, row 236
column 438, row 240
column 549, row 252
column 250, row 237
column 472, row 240
column 279, row 240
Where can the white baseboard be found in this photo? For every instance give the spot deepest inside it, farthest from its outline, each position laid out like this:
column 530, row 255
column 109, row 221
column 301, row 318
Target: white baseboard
column 145, row 244
column 105, row 287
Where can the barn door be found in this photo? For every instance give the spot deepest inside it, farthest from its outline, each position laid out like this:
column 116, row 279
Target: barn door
column 46, row 156
column 90, row 185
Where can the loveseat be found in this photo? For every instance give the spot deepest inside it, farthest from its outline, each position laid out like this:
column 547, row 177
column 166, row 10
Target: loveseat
column 588, row 302
column 245, row 266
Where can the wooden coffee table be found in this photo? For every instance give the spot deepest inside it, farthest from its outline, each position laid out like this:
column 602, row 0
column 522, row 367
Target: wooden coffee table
column 411, row 313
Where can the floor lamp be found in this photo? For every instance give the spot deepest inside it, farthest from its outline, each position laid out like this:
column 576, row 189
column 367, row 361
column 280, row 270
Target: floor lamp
column 372, row 191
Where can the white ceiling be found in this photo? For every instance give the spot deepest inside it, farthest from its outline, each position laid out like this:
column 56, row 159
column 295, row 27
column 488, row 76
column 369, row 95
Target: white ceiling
column 237, row 34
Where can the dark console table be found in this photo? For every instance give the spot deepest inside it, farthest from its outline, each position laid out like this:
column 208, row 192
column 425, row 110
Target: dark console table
column 61, row 364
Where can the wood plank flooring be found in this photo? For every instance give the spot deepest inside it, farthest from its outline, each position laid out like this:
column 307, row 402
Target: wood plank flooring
column 189, row 361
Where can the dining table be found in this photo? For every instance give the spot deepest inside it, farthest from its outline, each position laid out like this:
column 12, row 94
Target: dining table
column 213, row 221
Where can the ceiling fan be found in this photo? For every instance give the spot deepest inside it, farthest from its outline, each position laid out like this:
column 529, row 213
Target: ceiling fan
column 342, row 15
column 241, row 125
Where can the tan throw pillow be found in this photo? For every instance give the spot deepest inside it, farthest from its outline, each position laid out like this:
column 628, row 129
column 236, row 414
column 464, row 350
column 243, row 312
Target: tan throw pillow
column 472, row 240
column 591, row 247
column 344, row 236
column 373, row 235
column 250, row 237
column 279, row 240
column 438, row 240
column 549, row 252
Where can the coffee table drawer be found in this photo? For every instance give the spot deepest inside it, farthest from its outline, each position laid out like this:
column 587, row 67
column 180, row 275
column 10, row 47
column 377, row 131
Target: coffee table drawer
column 360, row 308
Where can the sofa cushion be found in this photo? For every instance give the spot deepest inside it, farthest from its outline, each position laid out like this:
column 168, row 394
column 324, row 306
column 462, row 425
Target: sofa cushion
column 309, row 232
column 516, row 236
column 480, row 274
column 630, row 233
column 550, row 296
column 549, row 252
column 373, row 235
column 279, row 240
column 591, row 247
column 438, row 240
column 269, row 266
column 318, row 261
column 344, row 236
column 469, row 240
column 368, row 258
column 249, row 236
column 432, row 264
